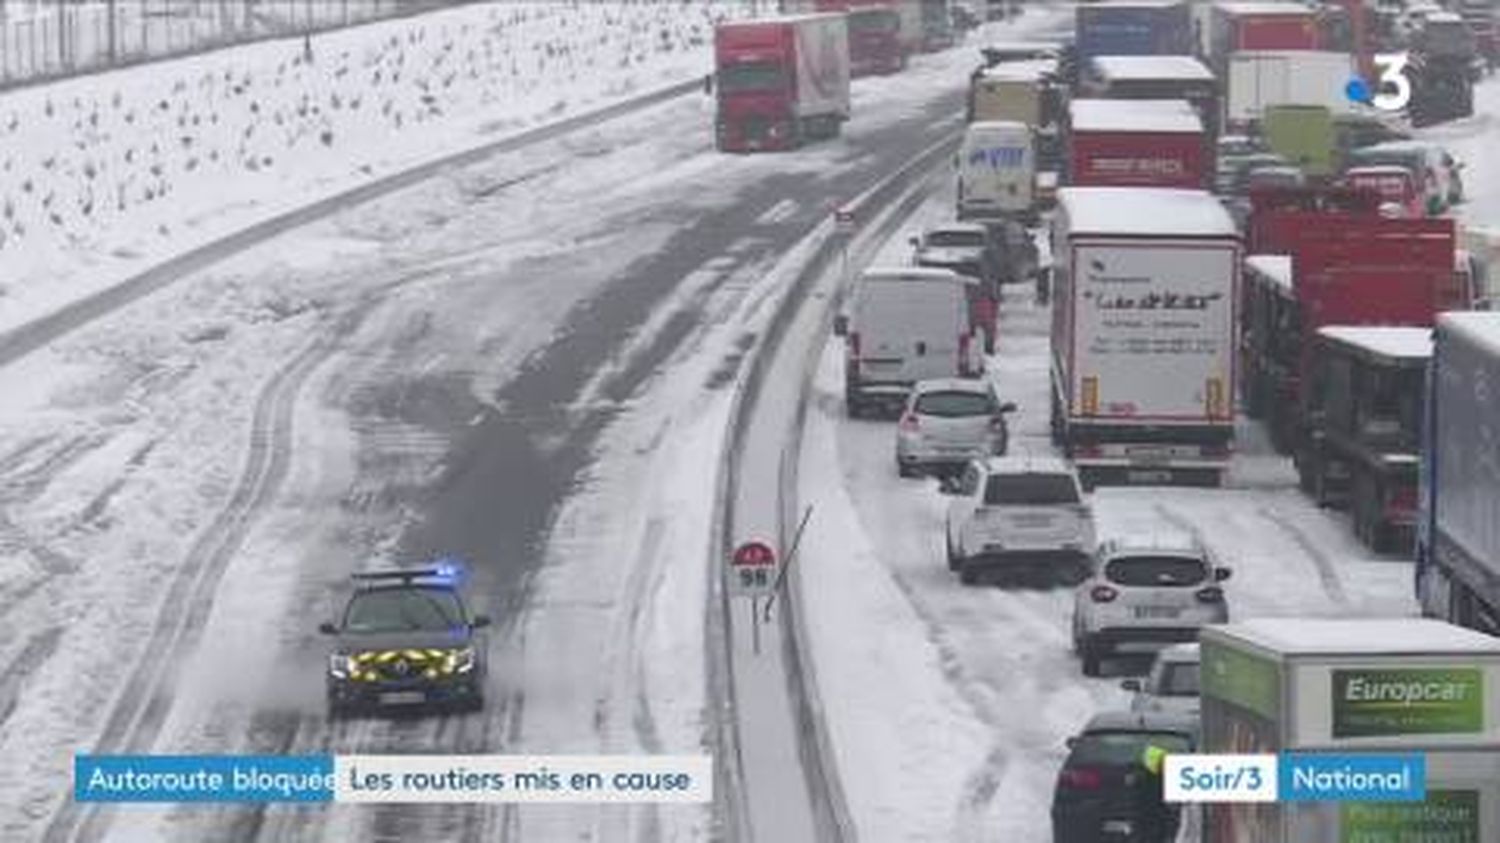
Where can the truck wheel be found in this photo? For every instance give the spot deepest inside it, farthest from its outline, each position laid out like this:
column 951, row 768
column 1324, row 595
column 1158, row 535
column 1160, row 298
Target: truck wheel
column 968, row 574
column 853, row 406
column 905, row 470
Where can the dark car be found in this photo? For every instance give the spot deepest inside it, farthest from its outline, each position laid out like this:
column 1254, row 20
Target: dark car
column 1105, row 793
column 405, row 641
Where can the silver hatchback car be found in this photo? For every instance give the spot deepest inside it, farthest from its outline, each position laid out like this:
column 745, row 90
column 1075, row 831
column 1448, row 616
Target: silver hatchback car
column 946, row 423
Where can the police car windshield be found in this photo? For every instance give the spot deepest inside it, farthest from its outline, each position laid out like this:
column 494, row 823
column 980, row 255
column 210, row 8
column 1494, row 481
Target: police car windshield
column 403, row 610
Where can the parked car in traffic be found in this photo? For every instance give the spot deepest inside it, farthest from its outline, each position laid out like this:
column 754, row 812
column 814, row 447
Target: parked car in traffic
column 1018, row 515
column 1171, row 687
column 904, row 325
column 1105, row 793
column 1146, row 592
column 948, row 422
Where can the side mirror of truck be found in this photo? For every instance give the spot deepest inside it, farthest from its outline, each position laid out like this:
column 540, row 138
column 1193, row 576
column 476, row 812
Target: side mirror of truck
column 1007, row 407
column 328, row 628
column 841, row 325
column 1222, row 574
column 1131, row 685
column 479, row 621
column 914, row 241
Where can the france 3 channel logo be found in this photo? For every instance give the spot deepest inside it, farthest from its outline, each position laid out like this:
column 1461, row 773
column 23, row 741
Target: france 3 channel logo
column 1392, row 90
column 1295, row 777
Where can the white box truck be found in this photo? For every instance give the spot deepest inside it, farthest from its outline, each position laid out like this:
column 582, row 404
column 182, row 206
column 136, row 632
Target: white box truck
column 1352, row 686
column 1258, row 78
column 902, row 325
column 996, row 171
column 1145, row 288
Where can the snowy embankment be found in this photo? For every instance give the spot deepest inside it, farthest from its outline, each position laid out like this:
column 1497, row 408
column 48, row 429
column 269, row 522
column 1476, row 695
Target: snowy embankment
column 103, row 176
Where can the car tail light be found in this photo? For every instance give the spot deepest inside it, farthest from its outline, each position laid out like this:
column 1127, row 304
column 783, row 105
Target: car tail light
column 910, row 423
column 964, row 341
column 1081, row 778
column 1102, row 594
column 1210, row 594
column 997, row 424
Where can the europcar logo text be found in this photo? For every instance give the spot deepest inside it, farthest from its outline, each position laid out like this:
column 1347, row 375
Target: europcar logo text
column 1407, row 702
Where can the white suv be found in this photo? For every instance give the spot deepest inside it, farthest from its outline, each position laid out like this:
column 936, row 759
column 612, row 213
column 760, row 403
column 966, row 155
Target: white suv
column 1146, row 592
column 1018, row 515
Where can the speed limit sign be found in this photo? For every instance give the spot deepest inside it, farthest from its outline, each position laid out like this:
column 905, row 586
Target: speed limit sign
column 752, row 569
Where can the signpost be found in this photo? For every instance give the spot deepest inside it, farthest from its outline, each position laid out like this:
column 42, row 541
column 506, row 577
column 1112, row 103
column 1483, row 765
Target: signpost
column 754, row 569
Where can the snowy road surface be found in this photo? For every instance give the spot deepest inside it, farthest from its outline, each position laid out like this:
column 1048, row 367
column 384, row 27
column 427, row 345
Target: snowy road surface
column 950, row 704
column 522, row 362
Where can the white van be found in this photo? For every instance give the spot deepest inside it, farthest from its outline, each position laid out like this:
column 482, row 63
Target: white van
column 903, row 325
column 996, row 170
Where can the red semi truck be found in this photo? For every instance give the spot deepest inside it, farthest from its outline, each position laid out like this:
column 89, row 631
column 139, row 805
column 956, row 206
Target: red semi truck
column 1136, row 143
column 1264, row 26
column 876, row 41
column 780, row 81
column 1341, row 264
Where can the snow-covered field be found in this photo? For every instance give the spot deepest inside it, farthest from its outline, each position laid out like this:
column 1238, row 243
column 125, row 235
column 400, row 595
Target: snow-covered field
column 103, row 176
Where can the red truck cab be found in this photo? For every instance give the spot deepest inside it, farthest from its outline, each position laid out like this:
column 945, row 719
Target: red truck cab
column 875, row 41
column 1397, row 189
column 780, row 81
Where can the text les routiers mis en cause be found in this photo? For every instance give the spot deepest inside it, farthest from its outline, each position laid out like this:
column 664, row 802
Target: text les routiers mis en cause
column 393, row 778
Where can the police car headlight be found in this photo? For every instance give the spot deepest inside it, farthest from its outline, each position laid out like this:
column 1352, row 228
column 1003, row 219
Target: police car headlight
column 340, row 666
column 460, row 660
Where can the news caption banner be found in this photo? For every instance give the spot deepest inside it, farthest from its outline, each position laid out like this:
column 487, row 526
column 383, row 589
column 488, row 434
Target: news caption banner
column 393, row 778
column 1295, row 777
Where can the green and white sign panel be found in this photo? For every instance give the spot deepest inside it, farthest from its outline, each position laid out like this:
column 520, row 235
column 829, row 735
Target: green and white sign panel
column 1412, row 701
column 1447, row 816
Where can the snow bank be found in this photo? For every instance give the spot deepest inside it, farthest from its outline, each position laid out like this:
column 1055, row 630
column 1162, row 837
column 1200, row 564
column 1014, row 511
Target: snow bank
column 102, row 176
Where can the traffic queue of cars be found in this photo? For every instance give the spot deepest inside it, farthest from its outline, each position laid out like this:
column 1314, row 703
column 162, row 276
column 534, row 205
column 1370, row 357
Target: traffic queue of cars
column 1288, row 255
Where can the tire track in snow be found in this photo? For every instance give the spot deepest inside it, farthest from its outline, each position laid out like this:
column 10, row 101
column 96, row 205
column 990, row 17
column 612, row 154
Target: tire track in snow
column 140, row 709
column 1328, row 576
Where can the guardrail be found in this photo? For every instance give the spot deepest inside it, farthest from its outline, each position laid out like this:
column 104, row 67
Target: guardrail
column 829, row 803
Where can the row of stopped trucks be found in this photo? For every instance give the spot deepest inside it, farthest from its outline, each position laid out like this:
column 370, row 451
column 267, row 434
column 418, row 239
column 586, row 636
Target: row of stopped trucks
column 784, row 80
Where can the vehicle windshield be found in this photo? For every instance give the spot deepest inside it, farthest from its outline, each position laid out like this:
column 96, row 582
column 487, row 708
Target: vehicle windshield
column 1179, row 679
column 1156, row 570
column 1031, row 489
column 875, row 20
column 952, row 405
column 1123, row 748
column 751, row 77
column 1388, row 158
column 403, row 610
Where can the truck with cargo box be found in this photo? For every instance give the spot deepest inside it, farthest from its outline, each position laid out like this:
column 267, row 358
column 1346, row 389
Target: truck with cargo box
column 1256, row 26
column 1143, row 334
column 1458, row 532
column 1259, row 79
column 780, row 81
column 1363, row 412
column 1349, row 687
column 1156, row 78
column 1136, row 143
column 1132, row 28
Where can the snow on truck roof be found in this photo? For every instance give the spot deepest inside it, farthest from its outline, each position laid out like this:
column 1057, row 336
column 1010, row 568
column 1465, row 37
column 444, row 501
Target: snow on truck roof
column 1274, row 268
column 1359, row 636
column 908, row 273
column 1266, row 8
column 1158, row 211
column 1392, row 342
column 1025, row 70
column 1479, row 327
column 1090, row 115
column 1152, row 67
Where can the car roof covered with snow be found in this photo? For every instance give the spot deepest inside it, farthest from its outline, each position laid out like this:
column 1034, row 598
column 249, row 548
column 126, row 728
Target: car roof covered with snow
column 1156, row 543
column 1028, row 464
column 1274, row 268
column 977, row 386
column 908, row 273
column 1151, row 211
column 965, row 227
column 1357, row 636
column 1386, row 342
column 1186, row 653
column 1119, row 68
column 1479, row 327
column 1104, row 115
column 1378, row 170
column 1443, row 17
column 1023, row 69
column 1142, row 721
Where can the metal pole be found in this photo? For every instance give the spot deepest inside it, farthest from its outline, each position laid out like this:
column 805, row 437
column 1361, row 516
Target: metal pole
column 790, row 556
column 755, row 625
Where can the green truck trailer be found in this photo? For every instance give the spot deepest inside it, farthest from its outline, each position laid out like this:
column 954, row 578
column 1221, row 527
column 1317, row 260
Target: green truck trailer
column 1406, row 685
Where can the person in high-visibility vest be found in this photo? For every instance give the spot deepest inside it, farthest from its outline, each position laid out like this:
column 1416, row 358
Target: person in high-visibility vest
column 1157, row 820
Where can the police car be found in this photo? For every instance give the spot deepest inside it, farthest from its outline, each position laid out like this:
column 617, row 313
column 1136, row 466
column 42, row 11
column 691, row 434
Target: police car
column 406, row 640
